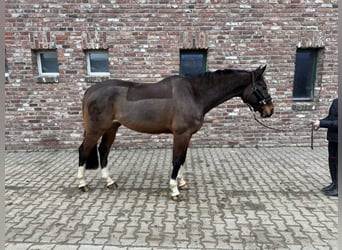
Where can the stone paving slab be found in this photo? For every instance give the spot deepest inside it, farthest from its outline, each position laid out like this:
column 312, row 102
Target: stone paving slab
column 266, row 198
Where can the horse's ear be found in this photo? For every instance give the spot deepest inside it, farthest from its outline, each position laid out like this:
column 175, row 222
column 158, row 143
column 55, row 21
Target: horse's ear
column 259, row 71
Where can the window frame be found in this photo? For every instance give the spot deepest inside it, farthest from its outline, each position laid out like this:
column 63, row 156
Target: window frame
column 203, row 52
column 39, row 63
column 89, row 72
column 310, row 82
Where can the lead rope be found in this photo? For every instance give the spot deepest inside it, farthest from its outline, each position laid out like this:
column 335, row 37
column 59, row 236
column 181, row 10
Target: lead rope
column 288, row 130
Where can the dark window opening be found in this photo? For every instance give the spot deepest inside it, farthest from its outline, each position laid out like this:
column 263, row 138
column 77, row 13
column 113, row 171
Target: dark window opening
column 47, row 62
column 97, row 62
column 6, row 67
column 305, row 74
column 193, row 62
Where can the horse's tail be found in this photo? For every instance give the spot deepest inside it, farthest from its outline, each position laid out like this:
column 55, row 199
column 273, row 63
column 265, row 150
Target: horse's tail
column 92, row 161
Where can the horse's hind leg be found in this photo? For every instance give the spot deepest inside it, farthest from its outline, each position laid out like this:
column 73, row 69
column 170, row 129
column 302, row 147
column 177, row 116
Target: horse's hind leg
column 182, row 185
column 87, row 155
column 106, row 142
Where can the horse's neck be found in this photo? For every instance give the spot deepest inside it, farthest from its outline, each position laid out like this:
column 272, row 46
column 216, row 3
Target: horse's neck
column 216, row 90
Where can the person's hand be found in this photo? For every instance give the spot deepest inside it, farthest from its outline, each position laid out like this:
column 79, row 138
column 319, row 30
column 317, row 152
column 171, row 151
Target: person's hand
column 315, row 124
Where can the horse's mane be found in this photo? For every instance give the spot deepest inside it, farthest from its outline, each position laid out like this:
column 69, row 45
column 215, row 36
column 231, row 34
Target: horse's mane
column 208, row 80
column 220, row 72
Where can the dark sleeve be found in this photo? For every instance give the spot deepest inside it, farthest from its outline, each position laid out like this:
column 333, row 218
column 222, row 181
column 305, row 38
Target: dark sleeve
column 325, row 123
column 331, row 121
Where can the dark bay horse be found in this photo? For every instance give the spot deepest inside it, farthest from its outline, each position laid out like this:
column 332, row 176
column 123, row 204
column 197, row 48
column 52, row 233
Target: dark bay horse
column 174, row 105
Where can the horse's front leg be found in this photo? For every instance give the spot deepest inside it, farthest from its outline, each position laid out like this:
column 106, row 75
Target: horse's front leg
column 180, row 146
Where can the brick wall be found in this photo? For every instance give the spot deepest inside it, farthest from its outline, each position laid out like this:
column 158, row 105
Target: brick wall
column 143, row 39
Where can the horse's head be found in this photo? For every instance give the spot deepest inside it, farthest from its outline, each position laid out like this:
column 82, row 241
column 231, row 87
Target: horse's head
column 256, row 94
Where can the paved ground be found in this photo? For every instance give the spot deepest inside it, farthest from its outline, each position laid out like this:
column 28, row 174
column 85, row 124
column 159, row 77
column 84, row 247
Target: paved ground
column 266, row 198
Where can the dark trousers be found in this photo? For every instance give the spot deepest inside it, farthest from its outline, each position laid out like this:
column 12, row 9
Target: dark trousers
column 333, row 160
column 333, row 150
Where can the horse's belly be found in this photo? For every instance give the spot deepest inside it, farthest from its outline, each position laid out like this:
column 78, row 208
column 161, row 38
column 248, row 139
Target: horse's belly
column 148, row 129
column 153, row 120
column 147, row 126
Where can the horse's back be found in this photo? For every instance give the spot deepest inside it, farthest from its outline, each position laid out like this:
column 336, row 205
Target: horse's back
column 109, row 84
column 134, row 91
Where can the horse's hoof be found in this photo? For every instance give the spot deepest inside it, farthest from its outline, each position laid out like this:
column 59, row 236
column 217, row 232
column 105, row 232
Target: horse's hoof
column 112, row 186
column 176, row 198
column 84, row 188
column 184, row 187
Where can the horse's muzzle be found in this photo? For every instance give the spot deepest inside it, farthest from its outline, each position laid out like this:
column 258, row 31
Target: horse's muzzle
column 266, row 110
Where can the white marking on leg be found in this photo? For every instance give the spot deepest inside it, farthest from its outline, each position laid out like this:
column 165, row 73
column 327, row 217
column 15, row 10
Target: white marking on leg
column 173, row 187
column 180, row 177
column 80, row 176
column 105, row 175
